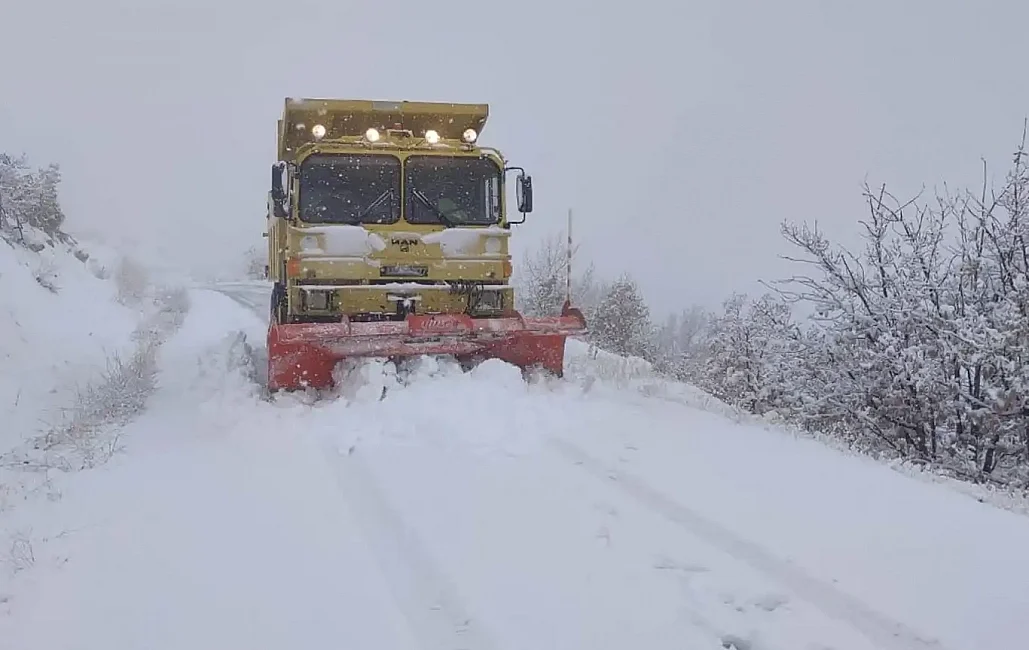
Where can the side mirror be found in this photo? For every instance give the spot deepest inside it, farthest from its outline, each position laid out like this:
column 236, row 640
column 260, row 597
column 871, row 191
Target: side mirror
column 280, row 197
column 524, row 193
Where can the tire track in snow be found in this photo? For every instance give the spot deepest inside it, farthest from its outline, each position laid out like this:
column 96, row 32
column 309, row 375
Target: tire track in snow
column 427, row 599
column 877, row 627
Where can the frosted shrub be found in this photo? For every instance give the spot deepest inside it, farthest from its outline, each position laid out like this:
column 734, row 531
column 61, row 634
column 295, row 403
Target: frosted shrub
column 622, row 321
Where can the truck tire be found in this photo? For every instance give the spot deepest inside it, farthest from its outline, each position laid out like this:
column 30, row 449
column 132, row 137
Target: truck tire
column 278, row 303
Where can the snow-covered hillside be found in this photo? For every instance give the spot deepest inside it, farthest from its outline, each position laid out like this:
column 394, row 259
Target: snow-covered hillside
column 612, row 509
column 59, row 324
column 79, row 331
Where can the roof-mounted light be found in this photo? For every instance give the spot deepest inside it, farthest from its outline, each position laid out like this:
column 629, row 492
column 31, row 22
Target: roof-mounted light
column 469, row 135
column 318, row 131
column 432, row 136
column 371, row 135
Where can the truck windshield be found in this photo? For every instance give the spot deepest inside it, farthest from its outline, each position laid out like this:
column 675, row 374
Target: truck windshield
column 352, row 189
column 453, row 191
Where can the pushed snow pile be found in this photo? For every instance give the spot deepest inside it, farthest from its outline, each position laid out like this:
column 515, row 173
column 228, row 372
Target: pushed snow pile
column 431, row 400
column 216, row 361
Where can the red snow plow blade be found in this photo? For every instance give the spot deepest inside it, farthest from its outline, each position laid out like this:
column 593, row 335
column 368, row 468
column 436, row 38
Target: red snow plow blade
column 304, row 354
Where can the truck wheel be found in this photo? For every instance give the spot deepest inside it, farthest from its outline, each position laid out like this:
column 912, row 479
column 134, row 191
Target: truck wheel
column 278, row 303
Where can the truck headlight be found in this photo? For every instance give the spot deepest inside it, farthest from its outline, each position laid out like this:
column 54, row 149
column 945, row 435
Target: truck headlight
column 317, row 300
column 308, row 243
column 490, row 301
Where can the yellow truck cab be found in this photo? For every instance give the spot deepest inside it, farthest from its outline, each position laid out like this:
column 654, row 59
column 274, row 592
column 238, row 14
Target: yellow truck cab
column 388, row 232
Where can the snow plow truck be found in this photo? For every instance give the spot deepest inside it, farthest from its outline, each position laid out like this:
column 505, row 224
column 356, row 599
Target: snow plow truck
column 388, row 229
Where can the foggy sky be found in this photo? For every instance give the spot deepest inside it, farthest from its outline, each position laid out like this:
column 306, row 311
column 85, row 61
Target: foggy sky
column 682, row 134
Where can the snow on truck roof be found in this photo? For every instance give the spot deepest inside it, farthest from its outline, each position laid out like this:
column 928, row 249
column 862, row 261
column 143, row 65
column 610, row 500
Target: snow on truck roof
column 352, row 117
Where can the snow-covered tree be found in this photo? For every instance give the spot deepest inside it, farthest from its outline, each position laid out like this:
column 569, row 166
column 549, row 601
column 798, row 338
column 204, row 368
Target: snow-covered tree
column 680, row 344
column 666, row 345
column 924, row 333
column 753, row 354
column 255, row 259
column 917, row 344
column 622, row 321
column 29, row 198
column 541, row 285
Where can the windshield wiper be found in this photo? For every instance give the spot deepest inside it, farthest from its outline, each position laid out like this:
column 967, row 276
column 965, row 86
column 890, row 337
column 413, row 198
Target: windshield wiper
column 444, row 219
column 382, row 197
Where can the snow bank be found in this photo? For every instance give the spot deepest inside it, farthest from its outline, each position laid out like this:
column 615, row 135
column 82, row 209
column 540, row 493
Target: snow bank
column 59, row 326
column 78, row 340
column 597, row 369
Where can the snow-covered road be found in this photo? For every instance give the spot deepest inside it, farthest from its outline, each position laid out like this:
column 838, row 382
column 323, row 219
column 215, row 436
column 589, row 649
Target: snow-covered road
column 473, row 510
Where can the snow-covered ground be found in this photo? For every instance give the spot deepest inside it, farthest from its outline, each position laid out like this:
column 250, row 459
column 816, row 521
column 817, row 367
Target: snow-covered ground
column 79, row 331
column 475, row 510
column 59, row 324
